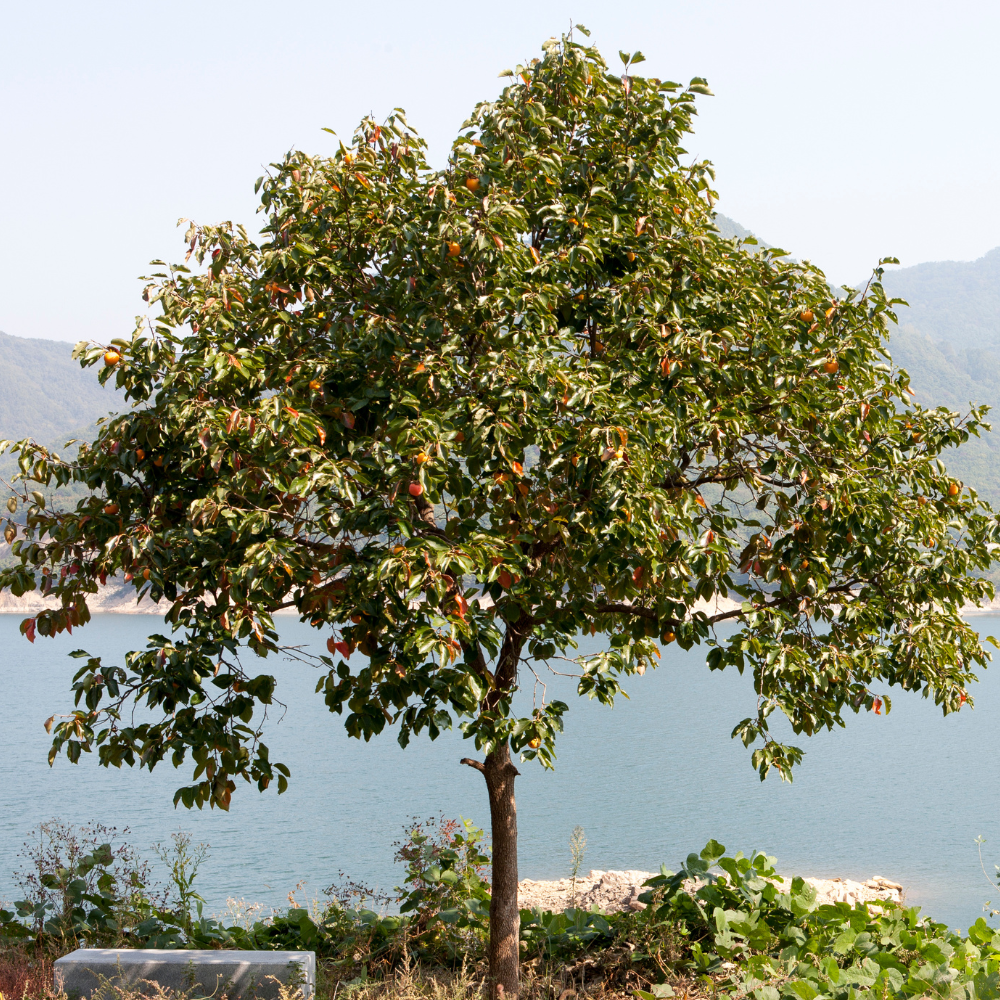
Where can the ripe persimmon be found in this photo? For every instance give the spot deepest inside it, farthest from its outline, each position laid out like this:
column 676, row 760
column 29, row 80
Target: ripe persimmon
column 472, row 183
column 535, row 743
column 454, row 249
column 111, row 358
column 806, row 316
column 953, row 490
column 415, row 489
column 111, row 509
column 831, row 367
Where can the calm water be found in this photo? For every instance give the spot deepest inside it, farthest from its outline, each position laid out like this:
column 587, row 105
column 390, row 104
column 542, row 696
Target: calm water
column 902, row 796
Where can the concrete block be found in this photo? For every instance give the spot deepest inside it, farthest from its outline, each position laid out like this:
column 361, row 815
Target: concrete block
column 234, row 974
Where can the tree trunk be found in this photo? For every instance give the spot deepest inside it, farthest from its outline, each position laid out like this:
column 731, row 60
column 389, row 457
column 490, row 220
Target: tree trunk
column 500, row 772
column 505, row 917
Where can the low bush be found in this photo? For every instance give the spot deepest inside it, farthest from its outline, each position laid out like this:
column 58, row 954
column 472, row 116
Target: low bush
column 721, row 924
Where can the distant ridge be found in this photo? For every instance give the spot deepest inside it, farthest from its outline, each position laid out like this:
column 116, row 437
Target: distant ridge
column 948, row 339
column 954, row 302
column 45, row 394
column 731, row 229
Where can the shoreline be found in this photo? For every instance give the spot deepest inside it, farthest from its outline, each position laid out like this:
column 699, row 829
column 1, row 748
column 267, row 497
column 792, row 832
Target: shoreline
column 618, row 891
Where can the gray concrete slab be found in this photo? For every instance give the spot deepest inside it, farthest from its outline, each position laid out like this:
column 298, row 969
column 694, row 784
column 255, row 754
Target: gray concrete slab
column 233, row 974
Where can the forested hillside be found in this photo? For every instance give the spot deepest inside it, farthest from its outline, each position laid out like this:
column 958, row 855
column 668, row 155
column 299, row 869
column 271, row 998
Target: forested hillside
column 955, row 302
column 948, row 339
column 45, row 394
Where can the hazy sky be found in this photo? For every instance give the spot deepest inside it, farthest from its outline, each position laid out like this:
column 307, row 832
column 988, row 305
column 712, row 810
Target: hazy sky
column 841, row 131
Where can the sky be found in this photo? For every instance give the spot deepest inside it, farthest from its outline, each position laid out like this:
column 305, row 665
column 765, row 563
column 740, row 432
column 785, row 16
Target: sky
column 841, row 131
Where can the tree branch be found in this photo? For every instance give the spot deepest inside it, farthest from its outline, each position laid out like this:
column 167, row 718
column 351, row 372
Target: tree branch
column 473, row 763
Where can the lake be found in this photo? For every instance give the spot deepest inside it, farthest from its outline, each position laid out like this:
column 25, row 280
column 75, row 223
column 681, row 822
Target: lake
column 903, row 796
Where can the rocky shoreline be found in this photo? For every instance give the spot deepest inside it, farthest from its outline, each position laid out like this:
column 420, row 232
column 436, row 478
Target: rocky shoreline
column 615, row 891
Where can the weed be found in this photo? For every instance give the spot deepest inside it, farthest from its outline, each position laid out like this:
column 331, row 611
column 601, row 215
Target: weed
column 577, row 849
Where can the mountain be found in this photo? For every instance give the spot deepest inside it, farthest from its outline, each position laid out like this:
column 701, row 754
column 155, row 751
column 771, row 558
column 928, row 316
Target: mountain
column 952, row 302
column 948, row 339
column 45, row 394
column 731, row 229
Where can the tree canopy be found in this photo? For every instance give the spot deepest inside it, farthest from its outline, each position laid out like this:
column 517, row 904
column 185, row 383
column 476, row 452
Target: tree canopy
column 455, row 418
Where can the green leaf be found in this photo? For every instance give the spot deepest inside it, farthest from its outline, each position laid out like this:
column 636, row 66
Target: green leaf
column 800, row 989
column 712, row 851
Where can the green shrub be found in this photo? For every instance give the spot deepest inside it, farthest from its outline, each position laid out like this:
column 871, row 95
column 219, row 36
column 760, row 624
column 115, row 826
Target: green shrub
column 721, row 924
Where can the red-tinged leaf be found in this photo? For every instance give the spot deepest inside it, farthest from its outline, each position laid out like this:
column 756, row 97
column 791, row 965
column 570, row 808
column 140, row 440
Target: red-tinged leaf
column 498, row 242
column 205, row 438
column 321, row 434
column 347, row 419
column 295, row 413
column 534, row 254
column 28, row 628
column 233, row 421
column 342, row 648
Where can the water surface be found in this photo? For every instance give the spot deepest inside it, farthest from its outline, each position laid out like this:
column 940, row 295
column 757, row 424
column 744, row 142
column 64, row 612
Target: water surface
column 902, row 796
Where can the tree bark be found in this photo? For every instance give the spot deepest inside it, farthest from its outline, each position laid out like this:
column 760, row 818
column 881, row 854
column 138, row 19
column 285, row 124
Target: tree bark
column 500, row 772
column 505, row 917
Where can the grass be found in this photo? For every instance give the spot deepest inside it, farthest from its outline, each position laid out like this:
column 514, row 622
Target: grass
column 26, row 974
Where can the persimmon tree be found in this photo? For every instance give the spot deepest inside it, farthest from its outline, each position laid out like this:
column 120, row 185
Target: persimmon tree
column 457, row 418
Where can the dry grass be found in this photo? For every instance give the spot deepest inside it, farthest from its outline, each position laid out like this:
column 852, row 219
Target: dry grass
column 24, row 972
column 27, row 975
column 584, row 979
